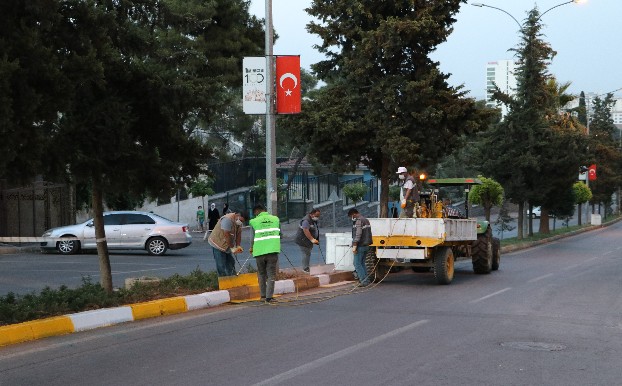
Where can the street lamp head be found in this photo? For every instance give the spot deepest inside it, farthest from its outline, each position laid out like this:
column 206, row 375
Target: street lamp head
column 477, row 4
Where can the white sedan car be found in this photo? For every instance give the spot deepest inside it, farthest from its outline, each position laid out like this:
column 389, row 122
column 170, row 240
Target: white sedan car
column 536, row 212
column 124, row 230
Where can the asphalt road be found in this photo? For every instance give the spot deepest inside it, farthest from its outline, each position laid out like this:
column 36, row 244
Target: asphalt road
column 550, row 316
column 23, row 273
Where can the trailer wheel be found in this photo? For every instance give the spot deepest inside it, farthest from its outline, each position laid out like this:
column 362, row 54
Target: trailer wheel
column 444, row 265
column 482, row 253
column 496, row 253
column 375, row 270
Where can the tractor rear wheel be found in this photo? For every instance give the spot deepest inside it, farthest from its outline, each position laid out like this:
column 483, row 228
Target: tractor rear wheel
column 375, row 270
column 444, row 265
column 481, row 250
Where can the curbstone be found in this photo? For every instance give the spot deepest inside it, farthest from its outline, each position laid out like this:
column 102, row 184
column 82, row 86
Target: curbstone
column 284, row 287
column 36, row 329
column 305, row 283
column 207, row 299
column 89, row 320
column 324, row 279
column 159, row 307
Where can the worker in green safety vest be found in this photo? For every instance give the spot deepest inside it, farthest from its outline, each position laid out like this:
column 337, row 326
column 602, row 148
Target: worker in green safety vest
column 265, row 247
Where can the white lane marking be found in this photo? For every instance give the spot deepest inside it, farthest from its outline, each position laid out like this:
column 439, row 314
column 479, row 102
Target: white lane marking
column 491, row 295
column 339, row 354
column 606, row 253
column 540, row 278
column 571, row 267
column 590, row 259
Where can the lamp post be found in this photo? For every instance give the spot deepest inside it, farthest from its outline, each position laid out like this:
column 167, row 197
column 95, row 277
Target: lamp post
column 271, row 194
column 498, row 9
column 517, row 22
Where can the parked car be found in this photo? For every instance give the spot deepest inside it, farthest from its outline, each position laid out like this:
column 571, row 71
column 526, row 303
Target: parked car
column 124, row 230
column 536, row 212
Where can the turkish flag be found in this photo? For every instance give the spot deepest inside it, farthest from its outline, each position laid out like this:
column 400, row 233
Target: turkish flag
column 591, row 172
column 288, row 84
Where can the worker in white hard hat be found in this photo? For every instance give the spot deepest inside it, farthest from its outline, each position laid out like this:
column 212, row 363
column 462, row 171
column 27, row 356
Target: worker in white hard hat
column 409, row 192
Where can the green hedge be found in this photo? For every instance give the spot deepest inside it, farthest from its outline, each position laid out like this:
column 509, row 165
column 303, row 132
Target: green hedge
column 91, row 296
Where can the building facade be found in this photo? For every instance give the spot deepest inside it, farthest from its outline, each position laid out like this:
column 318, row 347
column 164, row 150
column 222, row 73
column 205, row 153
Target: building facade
column 500, row 73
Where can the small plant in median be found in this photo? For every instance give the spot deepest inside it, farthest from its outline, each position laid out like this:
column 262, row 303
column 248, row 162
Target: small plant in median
column 355, row 192
column 90, row 296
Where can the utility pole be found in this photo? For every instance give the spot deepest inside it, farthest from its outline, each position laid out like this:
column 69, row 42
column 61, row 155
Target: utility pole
column 271, row 188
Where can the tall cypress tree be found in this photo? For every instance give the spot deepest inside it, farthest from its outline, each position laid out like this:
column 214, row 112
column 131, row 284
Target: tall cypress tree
column 604, row 152
column 386, row 103
column 534, row 152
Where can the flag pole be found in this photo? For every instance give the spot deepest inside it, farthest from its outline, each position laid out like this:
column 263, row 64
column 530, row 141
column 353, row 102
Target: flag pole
column 271, row 192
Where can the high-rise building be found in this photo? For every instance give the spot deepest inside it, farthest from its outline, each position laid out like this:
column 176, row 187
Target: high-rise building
column 501, row 74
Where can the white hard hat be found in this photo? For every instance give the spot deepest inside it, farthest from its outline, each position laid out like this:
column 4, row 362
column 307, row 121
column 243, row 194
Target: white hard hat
column 401, row 169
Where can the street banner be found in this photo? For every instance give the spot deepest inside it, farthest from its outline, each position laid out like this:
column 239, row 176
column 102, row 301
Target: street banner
column 591, row 173
column 254, row 85
column 288, row 84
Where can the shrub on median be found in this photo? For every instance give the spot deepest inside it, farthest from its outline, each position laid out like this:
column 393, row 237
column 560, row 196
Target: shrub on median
column 90, row 296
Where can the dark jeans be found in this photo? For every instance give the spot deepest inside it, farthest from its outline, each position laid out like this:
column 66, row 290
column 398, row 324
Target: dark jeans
column 266, row 273
column 359, row 264
column 225, row 263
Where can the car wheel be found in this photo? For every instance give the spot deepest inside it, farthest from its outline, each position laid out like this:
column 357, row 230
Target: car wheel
column 68, row 247
column 157, row 246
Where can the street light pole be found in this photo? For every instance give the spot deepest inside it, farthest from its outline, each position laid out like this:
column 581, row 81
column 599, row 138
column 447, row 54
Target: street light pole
column 499, row 9
column 520, row 26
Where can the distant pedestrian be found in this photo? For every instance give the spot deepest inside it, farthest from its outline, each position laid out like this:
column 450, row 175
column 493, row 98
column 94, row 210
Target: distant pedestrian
column 265, row 247
column 361, row 239
column 308, row 234
column 225, row 209
column 212, row 216
column 394, row 211
column 225, row 240
column 200, row 217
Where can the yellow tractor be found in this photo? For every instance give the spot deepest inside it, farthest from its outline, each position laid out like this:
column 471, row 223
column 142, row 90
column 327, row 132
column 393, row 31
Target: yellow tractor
column 433, row 239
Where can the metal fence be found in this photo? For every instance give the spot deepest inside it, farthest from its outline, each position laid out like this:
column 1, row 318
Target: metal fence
column 319, row 188
column 29, row 211
column 238, row 174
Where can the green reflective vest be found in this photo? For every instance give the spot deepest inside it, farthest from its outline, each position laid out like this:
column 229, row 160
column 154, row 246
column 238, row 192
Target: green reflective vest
column 267, row 234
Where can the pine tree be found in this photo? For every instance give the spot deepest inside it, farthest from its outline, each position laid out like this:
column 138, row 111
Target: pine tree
column 386, row 103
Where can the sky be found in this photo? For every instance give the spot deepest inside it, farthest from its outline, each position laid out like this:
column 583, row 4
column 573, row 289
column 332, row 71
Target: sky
column 586, row 36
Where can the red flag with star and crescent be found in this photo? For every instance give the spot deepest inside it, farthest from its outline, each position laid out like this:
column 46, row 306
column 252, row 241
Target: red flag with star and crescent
column 288, row 85
column 591, row 172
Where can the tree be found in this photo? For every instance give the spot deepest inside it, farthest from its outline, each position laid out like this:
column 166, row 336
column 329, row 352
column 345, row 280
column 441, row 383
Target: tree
column 355, row 192
column 137, row 73
column 488, row 194
column 535, row 151
column 604, row 152
column 504, row 220
column 32, row 85
column 385, row 103
column 582, row 194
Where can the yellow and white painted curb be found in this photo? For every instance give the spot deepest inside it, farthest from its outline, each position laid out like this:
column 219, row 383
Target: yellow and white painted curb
column 88, row 320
